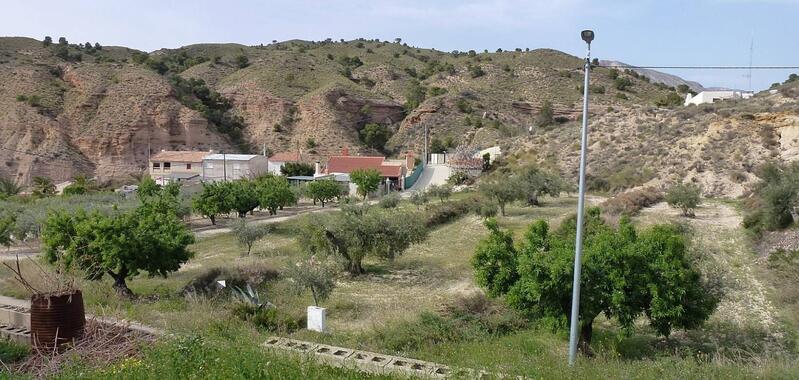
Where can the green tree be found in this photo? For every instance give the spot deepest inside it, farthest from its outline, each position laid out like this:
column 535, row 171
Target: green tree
column 7, row 226
column 314, row 274
column 546, row 115
column 274, row 193
column 775, row 197
column 324, row 190
column 419, row 198
column 683, row 89
column 502, row 190
column 375, row 135
column 666, row 288
column 685, row 196
column 148, row 239
column 249, row 233
column 243, row 196
column 47, row 41
column 367, row 180
column 494, row 260
column 213, row 200
column 442, row 192
column 80, row 185
column 352, row 236
column 622, row 83
column 291, row 169
column 535, row 182
column 669, row 100
column 63, row 41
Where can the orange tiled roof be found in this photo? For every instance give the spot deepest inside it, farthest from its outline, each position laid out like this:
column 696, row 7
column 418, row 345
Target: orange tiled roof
column 178, row 156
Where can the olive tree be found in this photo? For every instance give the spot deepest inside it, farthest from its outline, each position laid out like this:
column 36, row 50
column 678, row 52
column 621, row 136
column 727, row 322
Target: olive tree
column 249, row 233
column 314, row 274
column 442, row 192
column 150, row 238
column 536, row 277
column 352, row 235
column 534, row 182
column 502, row 190
column 685, row 196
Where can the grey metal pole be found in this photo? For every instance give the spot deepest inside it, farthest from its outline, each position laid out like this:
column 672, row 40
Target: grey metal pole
column 424, row 162
column 224, row 167
column 578, row 251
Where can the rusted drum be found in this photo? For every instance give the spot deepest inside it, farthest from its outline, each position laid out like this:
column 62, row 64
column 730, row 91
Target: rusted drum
column 56, row 319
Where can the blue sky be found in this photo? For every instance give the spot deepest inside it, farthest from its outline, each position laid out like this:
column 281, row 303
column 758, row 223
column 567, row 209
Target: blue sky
column 646, row 32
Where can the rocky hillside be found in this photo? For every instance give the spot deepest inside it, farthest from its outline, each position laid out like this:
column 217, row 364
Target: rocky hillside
column 70, row 109
column 85, row 109
column 717, row 146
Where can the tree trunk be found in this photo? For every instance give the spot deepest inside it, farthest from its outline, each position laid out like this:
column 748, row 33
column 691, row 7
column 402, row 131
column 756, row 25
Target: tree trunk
column 315, row 301
column 355, row 268
column 586, row 333
column 213, row 219
column 502, row 209
column 322, row 201
column 120, row 285
column 532, row 200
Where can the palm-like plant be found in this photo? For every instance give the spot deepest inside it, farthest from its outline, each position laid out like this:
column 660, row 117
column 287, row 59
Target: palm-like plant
column 8, row 187
column 43, row 186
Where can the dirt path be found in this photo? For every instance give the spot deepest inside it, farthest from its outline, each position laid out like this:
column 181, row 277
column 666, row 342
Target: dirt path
column 718, row 235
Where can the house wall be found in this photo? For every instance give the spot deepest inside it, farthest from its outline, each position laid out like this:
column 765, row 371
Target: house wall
column 163, row 175
column 219, row 170
column 275, row 166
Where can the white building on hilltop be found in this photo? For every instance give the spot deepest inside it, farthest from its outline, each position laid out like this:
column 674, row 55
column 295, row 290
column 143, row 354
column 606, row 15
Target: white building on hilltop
column 712, row 96
column 228, row 167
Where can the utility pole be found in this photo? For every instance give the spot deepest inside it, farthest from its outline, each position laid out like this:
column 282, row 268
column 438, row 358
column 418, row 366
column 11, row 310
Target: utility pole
column 424, row 162
column 224, row 167
column 587, row 36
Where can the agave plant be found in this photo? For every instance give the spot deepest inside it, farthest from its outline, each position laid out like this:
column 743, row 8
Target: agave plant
column 8, row 188
column 252, row 297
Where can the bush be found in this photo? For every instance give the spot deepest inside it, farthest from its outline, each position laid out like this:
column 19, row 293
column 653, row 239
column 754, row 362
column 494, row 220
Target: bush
column 441, row 213
column 631, row 202
column 775, row 198
column 290, row 169
column 375, row 135
column 268, row 318
column 12, row 352
column 458, row 178
column 235, row 277
column 390, row 200
column 685, row 197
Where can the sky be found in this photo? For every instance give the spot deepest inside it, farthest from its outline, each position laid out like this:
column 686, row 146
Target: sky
column 643, row 33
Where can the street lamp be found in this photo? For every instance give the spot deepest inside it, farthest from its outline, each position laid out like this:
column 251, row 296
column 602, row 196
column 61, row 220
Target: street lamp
column 587, row 36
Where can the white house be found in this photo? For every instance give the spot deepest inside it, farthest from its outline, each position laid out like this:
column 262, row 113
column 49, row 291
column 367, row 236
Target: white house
column 712, row 96
column 226, row 167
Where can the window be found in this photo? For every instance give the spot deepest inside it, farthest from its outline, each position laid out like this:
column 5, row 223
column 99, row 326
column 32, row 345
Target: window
column 167, row 165
column 188, row 166
column 156, row 165
column 209, row 165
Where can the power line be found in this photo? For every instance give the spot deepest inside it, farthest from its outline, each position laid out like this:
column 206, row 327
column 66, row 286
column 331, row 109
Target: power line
column 705, row 67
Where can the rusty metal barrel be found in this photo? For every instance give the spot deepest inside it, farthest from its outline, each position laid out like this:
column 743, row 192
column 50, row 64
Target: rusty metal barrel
column 57, row 319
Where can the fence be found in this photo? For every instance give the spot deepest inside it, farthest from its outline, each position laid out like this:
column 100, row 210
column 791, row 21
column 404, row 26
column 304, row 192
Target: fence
column 411, row 179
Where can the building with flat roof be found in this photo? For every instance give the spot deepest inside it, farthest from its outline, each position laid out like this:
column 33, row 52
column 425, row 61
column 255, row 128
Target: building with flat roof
column 277, row 160
column 714, row 96
column 227, row 167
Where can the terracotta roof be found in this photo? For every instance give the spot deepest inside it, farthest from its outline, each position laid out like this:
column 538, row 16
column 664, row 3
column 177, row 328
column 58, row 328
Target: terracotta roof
column 346, row 164
column 285, row 157
column 178, row 156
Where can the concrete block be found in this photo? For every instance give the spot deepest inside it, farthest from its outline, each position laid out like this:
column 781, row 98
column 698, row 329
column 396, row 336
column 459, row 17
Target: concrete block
column 16, row 334
column 370, row 361
column 316, row 319
column 297, row 346
column 15, row 316
column 332, row 355
column 273, row 342
column 439, row 371
column 410, row 367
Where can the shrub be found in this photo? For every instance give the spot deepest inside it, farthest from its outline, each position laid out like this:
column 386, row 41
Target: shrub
column 545, row 115
column 206, row 284
column 631, row 202
column 390, row 200
column 248, row 233
column 670, row 100
column 269, row 318
column 290, row 169
column 375, row 135
column 685, row 196
column 775, row 198
column 622, row 84
column 441, row 213
column 458, row 178
column 442, row 192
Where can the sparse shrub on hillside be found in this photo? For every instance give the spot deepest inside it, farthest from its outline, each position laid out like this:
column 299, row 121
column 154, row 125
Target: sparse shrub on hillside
column 631, row 202
column 775, row 198
column 613, row 74
column 390, row 200
column 545, row 115
column 667, row 288
column 621, row 96
column 414, row 94
column 622, row 84
column 458, row 178
column 464, row 106
column 310, row 143
column 47, row 41
column 242, row 61
column 475, row 71
column 685, row 196
column 671, row 99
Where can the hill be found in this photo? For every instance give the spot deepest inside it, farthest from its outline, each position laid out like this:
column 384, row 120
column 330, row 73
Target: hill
column 70, row 109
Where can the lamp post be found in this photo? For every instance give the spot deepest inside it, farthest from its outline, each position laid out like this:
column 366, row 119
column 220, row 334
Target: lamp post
column 587, row 36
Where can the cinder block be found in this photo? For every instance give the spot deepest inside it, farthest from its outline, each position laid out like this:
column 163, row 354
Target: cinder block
column 16, row 334
column 332, row 355
column 15, row 316
column 370, row 361
column 273, row 342
column 409, row 367
column 298, row 346
column 439, row 371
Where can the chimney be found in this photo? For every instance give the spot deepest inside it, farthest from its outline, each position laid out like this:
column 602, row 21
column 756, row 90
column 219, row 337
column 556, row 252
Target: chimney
column 317, row 169
column 345, row 151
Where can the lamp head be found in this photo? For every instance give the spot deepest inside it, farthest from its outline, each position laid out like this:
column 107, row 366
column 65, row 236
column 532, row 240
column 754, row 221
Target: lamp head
column 587, row 36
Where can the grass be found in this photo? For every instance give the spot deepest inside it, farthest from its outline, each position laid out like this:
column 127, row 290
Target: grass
column 399, row 307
